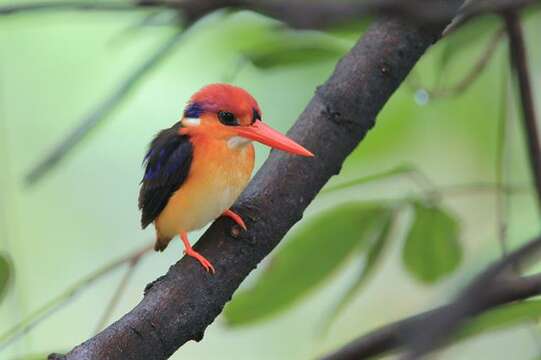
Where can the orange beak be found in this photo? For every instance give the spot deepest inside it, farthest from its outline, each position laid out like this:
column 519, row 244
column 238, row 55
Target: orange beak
column 264, row 134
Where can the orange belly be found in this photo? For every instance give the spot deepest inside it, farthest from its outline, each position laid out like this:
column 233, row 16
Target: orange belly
column 217, row 176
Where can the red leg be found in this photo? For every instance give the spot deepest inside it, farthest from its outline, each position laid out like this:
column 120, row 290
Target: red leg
column 191, row 252
column 236, row 218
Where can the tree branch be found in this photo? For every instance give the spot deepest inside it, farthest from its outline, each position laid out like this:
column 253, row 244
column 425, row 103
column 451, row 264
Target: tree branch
column 11, row 9
column 296, row 13
column 179, row 306
column 426, row 331
column 517, row 50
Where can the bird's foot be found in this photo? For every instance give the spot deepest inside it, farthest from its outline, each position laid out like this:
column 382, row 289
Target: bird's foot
column 236, row 218
column 206, row 264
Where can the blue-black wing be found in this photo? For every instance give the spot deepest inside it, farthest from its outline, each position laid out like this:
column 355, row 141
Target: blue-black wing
column 167, row 165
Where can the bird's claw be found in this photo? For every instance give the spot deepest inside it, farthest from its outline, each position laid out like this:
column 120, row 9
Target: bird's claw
column 204, row 262
column 236, row 218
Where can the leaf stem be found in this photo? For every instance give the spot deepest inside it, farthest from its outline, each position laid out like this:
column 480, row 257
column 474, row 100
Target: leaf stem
column 55, row 304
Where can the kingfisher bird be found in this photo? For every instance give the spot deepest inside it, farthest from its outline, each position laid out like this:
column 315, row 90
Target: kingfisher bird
column 196, row 169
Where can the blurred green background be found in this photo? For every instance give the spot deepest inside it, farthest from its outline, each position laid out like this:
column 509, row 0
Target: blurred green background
column 56, row 66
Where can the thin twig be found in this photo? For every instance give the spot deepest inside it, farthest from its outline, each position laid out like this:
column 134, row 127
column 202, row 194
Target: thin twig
column 517, row 48
column 478, row 187
column 426, row 186
column 502, row 159
column 400, row 170
column 99, row 113
column 118, row 293
column 475, row 71
column 474, row 8
column 518, row 55
column 44, row 312
column 469, row 78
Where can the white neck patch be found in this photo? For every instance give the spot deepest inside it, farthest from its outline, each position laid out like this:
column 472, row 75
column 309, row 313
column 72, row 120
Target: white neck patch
column 237, row 141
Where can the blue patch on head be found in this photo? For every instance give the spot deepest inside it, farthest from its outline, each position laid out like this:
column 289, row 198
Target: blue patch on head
column 193, row 110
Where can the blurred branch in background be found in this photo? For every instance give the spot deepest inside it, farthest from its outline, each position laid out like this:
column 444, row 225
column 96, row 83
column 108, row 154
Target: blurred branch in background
column 517, row 49
column 132, row 261
column 474, row 8
column 11, row 9
column 298, row 14
column 403, row 170
column 425, row 332
column 426, row 187
column 302, row 14
column 100, row 113
column 503, row 156
column 69, row 294
column 471, row 76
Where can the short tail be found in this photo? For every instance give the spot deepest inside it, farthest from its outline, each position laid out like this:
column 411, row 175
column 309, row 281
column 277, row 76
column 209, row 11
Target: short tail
column 161, row 242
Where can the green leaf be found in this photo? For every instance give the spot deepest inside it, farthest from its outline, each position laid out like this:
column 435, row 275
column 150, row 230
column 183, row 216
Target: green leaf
column 6, row 273
column 502, row 317
column 432, row 249
column 372, row 256
column 293, row 48
column 305, row 260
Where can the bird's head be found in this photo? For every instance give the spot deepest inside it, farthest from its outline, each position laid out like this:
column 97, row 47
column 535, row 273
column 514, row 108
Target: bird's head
column 230, row 113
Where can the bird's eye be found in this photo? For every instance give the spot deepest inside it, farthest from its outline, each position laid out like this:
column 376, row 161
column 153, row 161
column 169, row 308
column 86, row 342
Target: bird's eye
column 255, row 116
column 227, row 118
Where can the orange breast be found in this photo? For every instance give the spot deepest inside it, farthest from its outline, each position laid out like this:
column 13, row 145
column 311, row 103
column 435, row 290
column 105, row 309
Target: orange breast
column 217, row 176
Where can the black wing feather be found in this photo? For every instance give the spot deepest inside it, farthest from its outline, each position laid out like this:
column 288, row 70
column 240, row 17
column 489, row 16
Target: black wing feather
column 167, row 165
